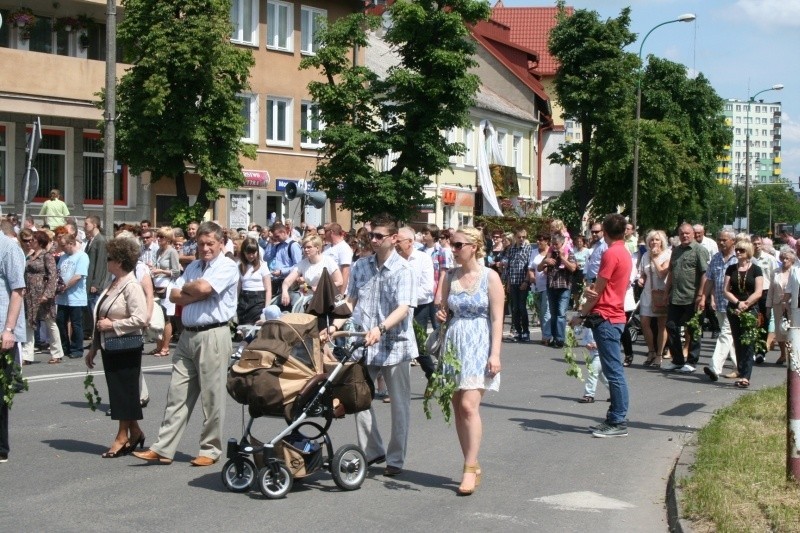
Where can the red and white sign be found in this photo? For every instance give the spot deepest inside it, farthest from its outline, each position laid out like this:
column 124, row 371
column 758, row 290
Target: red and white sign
column 256, row 178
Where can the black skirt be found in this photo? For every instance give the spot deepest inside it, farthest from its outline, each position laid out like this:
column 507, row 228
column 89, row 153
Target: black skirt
column 251, row 305
column 122, row 377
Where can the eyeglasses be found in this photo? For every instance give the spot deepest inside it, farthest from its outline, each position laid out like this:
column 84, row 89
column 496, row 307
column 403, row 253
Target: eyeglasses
column 26, row 240
column 740, row 250
column 459, row 245
column 596, row 232
column 376, row 236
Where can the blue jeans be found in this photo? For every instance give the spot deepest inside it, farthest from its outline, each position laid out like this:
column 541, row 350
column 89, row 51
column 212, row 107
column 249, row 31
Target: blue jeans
column 607, row 336
column 72, row 346
column 558, row 300
column 543, row 308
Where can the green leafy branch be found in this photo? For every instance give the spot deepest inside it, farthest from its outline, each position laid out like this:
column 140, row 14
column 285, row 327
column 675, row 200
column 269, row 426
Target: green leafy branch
column 694, row 326
column 443, row 384
column 751, row 333
column 573, row 370
column 90, row 391
column 8, row 370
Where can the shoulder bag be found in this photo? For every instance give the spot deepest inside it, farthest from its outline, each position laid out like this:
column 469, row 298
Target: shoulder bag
column 123, row 343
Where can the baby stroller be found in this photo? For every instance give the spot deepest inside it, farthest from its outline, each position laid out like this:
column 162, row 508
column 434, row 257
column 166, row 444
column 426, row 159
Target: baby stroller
column 281, row 373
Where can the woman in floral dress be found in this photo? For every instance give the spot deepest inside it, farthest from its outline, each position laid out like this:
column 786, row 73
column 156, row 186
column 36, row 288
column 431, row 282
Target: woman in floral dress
column 41, row 276
column 474, row 295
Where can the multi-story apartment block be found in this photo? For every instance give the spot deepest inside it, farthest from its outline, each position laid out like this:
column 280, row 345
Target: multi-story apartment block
column 762, row 121
column 54, row 70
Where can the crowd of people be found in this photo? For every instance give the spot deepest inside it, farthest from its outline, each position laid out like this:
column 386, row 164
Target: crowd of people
column 68, row 284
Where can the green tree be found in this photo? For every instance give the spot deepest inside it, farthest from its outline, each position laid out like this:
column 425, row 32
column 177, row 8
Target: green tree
column 177, row 104
column 681, row 132
column 595, row 85
column 400, row 117
column 772, row 203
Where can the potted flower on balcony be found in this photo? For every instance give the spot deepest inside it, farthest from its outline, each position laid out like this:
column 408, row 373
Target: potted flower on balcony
column 68, row 24
column 24, row 19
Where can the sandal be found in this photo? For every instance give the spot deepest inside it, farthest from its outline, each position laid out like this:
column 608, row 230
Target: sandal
column 628, row 360
column 742, row 384
column 154, row 352
column 651, row 356
column 54, row 361
column 471, row 469
column 164, row 353
column 586, row 399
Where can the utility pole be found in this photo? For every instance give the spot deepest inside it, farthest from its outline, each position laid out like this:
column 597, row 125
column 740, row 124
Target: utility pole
column 109, row 166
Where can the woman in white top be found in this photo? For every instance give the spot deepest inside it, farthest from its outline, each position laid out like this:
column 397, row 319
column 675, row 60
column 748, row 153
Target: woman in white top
column 255, row 284
column 779, row 298
column 165, row 270
column 308, row 271
column 653, row 270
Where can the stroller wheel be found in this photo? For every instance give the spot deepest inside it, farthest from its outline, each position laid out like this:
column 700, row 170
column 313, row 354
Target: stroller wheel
column 349, row 467
column 274, row 485
column 236, row 480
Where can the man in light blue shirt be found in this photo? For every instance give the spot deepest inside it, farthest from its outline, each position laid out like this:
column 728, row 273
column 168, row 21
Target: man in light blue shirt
column 73, row 267
column 599, row 248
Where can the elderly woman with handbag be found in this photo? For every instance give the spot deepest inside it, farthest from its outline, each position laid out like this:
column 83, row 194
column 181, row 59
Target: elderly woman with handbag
column 119, row 316
column 653, row 270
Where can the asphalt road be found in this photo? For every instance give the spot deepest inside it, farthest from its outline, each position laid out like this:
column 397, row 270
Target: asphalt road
column 543, row 471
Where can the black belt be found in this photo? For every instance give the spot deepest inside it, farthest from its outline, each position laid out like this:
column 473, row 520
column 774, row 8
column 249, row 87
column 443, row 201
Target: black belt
column 206, row 327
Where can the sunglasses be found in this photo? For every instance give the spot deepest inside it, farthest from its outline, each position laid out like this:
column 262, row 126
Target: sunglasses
column 740, row 250
column 26, row 240
column 459, row 245
column 596, row 232
column 377, row 236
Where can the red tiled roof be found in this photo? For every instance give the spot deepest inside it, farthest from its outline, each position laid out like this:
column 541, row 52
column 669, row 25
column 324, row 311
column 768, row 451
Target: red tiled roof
column 494, row 38
column 530, row 28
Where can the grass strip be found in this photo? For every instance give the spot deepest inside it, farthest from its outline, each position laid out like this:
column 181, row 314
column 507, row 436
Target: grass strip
column 738, row 481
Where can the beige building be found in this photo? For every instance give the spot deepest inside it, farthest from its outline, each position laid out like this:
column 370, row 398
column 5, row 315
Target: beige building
column 61, row 64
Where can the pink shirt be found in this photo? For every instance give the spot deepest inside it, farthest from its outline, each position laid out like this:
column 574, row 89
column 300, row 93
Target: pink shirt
column 615, row 267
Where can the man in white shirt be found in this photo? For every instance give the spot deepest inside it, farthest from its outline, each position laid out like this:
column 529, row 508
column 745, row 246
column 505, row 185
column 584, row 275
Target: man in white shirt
column 423, row 269
column 338, row 249
column 700, row 237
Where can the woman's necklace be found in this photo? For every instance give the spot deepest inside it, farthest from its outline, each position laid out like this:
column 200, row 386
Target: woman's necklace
column 742, row 278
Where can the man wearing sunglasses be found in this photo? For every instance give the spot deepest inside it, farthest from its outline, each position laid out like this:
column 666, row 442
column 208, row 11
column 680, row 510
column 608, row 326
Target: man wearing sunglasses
column 381, row 292
column 516, row 276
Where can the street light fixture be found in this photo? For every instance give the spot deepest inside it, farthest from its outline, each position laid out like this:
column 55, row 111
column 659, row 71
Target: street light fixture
column 688, row 17
column 750, row 100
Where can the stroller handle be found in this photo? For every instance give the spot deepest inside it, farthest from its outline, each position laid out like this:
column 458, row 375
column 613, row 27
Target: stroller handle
column 339, row 334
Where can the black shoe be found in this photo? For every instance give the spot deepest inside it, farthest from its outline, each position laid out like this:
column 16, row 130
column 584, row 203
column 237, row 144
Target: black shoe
column 3, row 457
column 144, row 402
column 710, row 373
column 75, row 356
column 377, row 460
column 760, row 359
column 557, row 344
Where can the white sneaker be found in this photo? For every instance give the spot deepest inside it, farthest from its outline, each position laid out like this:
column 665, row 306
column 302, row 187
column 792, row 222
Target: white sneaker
column 686, row 369
column 670, row 366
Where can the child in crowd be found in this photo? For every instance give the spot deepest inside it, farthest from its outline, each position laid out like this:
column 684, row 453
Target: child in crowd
column 593, row 364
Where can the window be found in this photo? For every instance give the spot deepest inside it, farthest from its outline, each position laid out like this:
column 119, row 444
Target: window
column 51, row 162
column 738, row 120
column 244, row 17
column 738, row 107
column 311, row 21
column 516, row 152
column 4, row 160
column 250, row 114
column 758, row 109
column 469, row 144
column 311, row 124
column 738, row 143
column 44, row 39
column 451, row 138
column 280, row 24
column 5, row 35
column 728, row 107
column 94, row 175
column 279, row 121
column 501, row 142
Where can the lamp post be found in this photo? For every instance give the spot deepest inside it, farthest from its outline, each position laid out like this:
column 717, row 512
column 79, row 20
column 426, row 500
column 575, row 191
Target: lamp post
column 750, row 100
column 688, row 17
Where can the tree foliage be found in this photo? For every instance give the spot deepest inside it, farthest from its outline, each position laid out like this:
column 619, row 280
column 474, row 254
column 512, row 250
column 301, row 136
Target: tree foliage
column 400, row 117
column 681, row 131
column 177, row 104
column 772, row 203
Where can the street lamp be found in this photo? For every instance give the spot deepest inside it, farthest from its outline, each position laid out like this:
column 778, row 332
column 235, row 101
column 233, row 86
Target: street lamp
column 750, row 100
column 688, row 17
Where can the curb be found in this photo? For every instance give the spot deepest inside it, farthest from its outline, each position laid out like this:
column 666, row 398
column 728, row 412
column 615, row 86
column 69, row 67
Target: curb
column 680, row 470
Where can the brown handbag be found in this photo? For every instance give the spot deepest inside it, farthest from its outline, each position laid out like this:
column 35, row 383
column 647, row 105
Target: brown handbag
column 660, row 300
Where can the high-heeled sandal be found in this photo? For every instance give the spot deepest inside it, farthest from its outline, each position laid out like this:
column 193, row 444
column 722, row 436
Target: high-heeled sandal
column 471, row 469
column 651, row 356
column 139, row 441
column 123, row 450
column 628, row 360
column 656, row 362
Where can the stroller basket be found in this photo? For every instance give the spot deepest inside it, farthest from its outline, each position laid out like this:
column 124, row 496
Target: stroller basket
column 301, row 456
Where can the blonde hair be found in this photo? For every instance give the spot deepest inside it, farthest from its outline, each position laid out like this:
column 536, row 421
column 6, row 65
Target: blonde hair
column 313, row 240
column 166, row 233
column 474, row 236
column 746, row 245
column 660, row 235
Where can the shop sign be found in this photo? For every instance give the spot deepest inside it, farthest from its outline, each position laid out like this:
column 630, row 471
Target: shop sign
column 256, row 178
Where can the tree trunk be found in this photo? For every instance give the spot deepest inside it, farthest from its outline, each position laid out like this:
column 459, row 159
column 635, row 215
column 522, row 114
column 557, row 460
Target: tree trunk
column 180, row 188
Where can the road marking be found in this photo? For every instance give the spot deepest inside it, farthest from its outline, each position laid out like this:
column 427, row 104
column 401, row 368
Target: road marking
column 67, row 375
column 502, row 518
column 583, row 501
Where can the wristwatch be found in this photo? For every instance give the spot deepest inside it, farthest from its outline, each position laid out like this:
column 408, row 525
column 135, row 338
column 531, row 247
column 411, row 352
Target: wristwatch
column 382, row 328
column 10, row 330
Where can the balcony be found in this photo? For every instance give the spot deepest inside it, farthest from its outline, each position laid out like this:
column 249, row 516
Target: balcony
column 777, row 160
